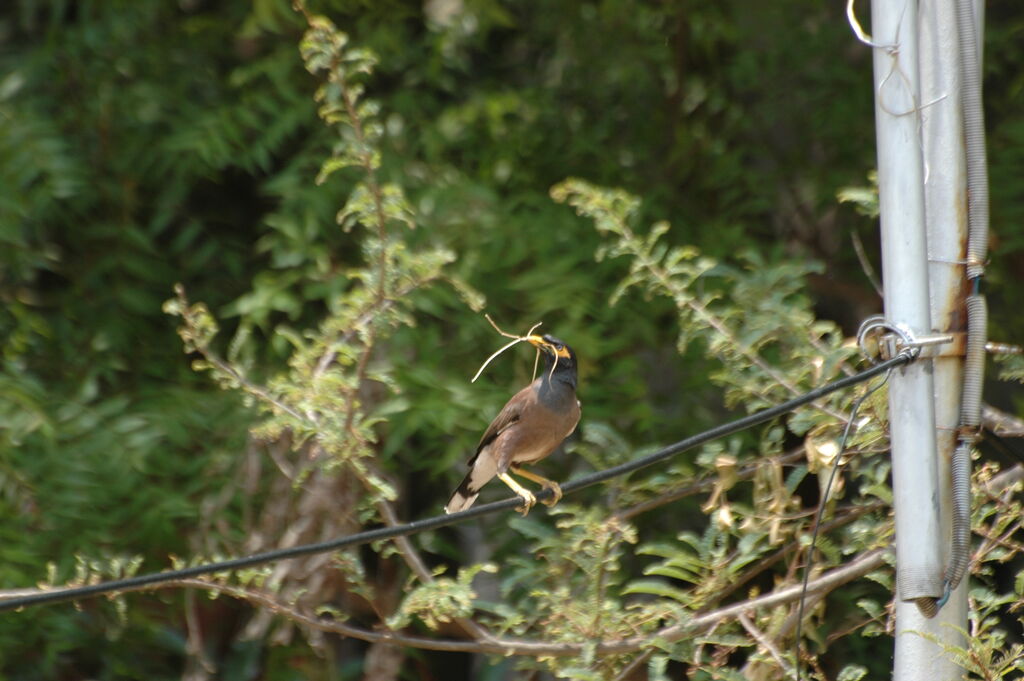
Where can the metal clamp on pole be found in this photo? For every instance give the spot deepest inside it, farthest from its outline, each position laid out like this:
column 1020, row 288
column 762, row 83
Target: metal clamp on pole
column 901, row 339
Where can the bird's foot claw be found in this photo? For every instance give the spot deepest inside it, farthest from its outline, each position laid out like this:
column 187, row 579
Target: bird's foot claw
column 556, row 494
column 528, row 501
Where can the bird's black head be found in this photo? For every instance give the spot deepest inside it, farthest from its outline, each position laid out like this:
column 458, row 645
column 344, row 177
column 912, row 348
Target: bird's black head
column 557, row 355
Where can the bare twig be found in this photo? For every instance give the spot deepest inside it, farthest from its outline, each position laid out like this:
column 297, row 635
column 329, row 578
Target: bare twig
column 634, row 665
column 224, row 367
column 865, row 264
column 790, row 623
column 992, row 542
column 764, row 642
column 599, row 586
column 194, row 636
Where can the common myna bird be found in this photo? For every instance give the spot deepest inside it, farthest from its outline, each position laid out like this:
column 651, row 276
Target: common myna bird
column 527, row 429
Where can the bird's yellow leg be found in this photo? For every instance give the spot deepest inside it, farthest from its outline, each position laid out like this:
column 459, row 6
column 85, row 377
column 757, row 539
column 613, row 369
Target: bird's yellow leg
column 526, row 495
column 556, row 491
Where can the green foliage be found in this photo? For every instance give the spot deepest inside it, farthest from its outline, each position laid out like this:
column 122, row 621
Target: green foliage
column 747, row 338
column 1012, row 368
column 318, row 399
column 581, row 564
column 864, row 199
column 986, row 654
column 146, row 143
column 852, row 672
column 709, row 563
column 440, row 600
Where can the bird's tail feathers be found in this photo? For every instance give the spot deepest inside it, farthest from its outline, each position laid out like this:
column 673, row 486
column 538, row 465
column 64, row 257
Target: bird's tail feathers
column 480, row 472
column 463, row 498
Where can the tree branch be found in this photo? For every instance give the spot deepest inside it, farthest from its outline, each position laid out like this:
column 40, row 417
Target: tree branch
column 1001, row 423
column 1004, row 479
column 827, row 582
column 860, row 566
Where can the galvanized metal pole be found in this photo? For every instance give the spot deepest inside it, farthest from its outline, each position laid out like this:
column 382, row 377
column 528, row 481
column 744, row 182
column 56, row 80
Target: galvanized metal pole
column 916, row 495
column 945, row 191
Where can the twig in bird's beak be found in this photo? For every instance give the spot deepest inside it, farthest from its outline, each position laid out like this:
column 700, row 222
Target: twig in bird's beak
column 538, row 342
column 506, row 334
column 536, row 361
column 516, row 339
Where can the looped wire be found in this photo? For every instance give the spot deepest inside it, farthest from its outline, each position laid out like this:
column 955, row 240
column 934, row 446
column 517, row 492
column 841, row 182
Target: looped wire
column 858, row 30
column 879, row 323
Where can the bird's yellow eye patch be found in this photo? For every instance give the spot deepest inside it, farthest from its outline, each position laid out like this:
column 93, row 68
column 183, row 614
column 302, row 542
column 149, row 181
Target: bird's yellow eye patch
column 562, row 351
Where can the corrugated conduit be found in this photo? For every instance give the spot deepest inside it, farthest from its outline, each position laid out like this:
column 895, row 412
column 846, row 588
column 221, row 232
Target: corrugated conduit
column 977, row 312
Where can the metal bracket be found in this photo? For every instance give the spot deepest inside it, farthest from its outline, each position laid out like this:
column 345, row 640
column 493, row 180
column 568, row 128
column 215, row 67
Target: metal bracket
column 901, row 339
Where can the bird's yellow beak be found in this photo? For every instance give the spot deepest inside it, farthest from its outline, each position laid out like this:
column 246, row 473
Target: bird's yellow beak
column 539, row 342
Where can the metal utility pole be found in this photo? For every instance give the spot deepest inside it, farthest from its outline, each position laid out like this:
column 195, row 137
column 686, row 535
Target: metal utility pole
column 932, row 264
column 919, row 565
column 945, row 191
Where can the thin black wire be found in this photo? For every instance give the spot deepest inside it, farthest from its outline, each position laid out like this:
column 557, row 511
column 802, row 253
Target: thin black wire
column 821, row 511
column 435, row 522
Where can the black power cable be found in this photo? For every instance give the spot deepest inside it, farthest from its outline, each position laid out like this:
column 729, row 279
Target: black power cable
column 818, row 516
column 75, row 593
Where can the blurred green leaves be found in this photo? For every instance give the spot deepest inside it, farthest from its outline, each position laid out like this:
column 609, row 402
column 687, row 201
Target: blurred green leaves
column 146, row 143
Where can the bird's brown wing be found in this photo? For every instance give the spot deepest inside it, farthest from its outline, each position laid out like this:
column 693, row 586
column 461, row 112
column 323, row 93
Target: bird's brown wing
column 508, row 415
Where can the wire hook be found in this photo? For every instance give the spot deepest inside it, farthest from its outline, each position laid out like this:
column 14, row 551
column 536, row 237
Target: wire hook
column 904, row 341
